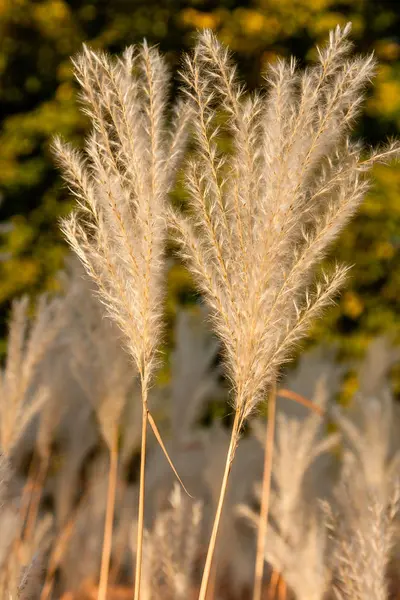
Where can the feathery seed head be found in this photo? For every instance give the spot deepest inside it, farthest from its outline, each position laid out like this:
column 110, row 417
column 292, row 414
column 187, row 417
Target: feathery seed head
column 121, row 185
column 263, row 216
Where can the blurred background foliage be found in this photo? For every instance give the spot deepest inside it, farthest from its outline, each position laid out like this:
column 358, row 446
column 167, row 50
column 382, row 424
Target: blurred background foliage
column 38, row 99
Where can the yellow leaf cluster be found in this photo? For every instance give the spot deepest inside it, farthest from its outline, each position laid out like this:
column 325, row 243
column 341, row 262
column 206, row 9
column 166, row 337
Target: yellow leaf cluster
column 352, row 304
column 200, row 20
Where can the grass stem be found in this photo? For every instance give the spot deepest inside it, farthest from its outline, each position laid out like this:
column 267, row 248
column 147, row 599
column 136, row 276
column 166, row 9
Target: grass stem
column 265, row 496
column 228, row 465
column 282, row 589
column 108, row 526
column 291, row 395
column 36, row 496
column 273, row 585
column 139, row 544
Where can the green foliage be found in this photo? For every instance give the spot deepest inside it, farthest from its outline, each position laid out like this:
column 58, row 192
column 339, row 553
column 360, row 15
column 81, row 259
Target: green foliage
column 38, row 99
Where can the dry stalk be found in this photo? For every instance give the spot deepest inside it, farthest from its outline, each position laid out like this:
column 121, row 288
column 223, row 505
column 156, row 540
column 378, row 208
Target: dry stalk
column 139, row 544
column 291, row 395
column 36, row 496
column 60, row 546
column 265, row 496
column 282, row 589
column 108, row 525
column 273, row 584
column 212, row 587
column 237, row 424
column 55, row 559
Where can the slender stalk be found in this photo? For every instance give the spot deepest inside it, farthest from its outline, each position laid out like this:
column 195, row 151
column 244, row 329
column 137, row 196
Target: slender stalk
column 27, row 493
column 60, row 545
column 26, row 501
column 120, row 548
column 265, row 496
column 139, row 544
column 290, row 395
column 146, row 418
column 152, row 423
column 282, row 589
column 55, row 558
column 212, row 586
column 30, row 501
column 273, row 584
column 36, row 496
column 108, row 526
column 228, row 465
column 154, row 427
